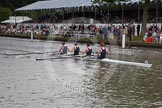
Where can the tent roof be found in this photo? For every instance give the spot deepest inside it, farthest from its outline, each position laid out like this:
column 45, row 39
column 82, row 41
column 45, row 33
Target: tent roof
column 17, row 19
column 55, row 4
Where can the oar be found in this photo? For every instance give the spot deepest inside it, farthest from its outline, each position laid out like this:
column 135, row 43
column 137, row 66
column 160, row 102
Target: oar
column 27, row 53
column 48, row 58
column 51, row 58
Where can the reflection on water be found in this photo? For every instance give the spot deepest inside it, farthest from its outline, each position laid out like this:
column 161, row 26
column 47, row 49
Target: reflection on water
column 75, row 83
column 128, row 86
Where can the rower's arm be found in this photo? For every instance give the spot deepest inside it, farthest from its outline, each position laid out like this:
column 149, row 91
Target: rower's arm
column 73, row 48
column 99, row 52
column 68, row 49
column 108, row 52
column 85, row 50
column 60, row 49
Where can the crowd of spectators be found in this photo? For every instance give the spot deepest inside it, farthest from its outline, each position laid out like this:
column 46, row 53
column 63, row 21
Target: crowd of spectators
column 25, row 29
column 115, row 31
column 49, row 30
column 102, row 18
column 153, row 33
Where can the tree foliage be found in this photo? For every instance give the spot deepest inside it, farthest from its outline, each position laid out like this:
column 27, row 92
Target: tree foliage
column 4, row 13
column 13, row 4
column 7, row 7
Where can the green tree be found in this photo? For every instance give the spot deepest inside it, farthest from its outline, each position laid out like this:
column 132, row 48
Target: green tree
column 13, row 4
column 146, row 5
column 7, row 7
column 5, row 13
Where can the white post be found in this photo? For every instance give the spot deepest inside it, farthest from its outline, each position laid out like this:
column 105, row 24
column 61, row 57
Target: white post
column 123, row 40
column 32, row 35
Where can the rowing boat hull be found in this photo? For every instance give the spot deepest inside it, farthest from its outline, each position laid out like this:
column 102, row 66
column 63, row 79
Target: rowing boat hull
column 64, row 57
column 85, row 58
column 127, row 63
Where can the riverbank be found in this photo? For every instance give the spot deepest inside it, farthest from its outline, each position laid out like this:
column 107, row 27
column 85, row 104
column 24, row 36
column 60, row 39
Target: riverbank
column 136, row 43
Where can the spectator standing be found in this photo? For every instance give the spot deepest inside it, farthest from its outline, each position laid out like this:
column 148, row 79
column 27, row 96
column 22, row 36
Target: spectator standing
column 116, row 33
column 105, row 31
column 130, row 32
column 138, row 29
column 126, row 31
column 160, row 38
column 133, row 31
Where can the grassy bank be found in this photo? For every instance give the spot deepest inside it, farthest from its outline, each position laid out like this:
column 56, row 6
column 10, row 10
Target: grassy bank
column 137, row 41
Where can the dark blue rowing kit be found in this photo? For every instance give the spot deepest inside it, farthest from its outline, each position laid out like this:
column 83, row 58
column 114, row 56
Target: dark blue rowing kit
column 89, row 52
column 76, row 51
column 103, row 53
column 64, row 50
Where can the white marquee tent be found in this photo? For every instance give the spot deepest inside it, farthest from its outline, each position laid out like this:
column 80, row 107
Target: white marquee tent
column 56, row 4
column 17, row 19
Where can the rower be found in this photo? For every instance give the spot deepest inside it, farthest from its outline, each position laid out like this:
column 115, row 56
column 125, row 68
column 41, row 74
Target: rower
column 75, row 49
column 88, row 50
column 103, row 51
column 63, row 49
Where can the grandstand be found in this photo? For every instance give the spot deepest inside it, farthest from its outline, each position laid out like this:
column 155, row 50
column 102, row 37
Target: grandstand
column 64, row 10
column 82, row 17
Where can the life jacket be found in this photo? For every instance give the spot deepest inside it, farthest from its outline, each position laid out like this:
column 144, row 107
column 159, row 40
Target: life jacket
column 89, row 51
column 103, row 53
column 77, row 50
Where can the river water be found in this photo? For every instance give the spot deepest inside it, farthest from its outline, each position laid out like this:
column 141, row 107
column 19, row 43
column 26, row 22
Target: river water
column 76, row 83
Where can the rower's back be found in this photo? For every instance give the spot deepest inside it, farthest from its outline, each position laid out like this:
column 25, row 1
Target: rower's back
column 103, row 53
column 65, row 49
column 89, row 52
column 77, row 50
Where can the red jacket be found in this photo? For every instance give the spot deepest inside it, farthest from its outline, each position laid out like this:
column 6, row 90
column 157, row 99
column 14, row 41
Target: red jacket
column 150, row 39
